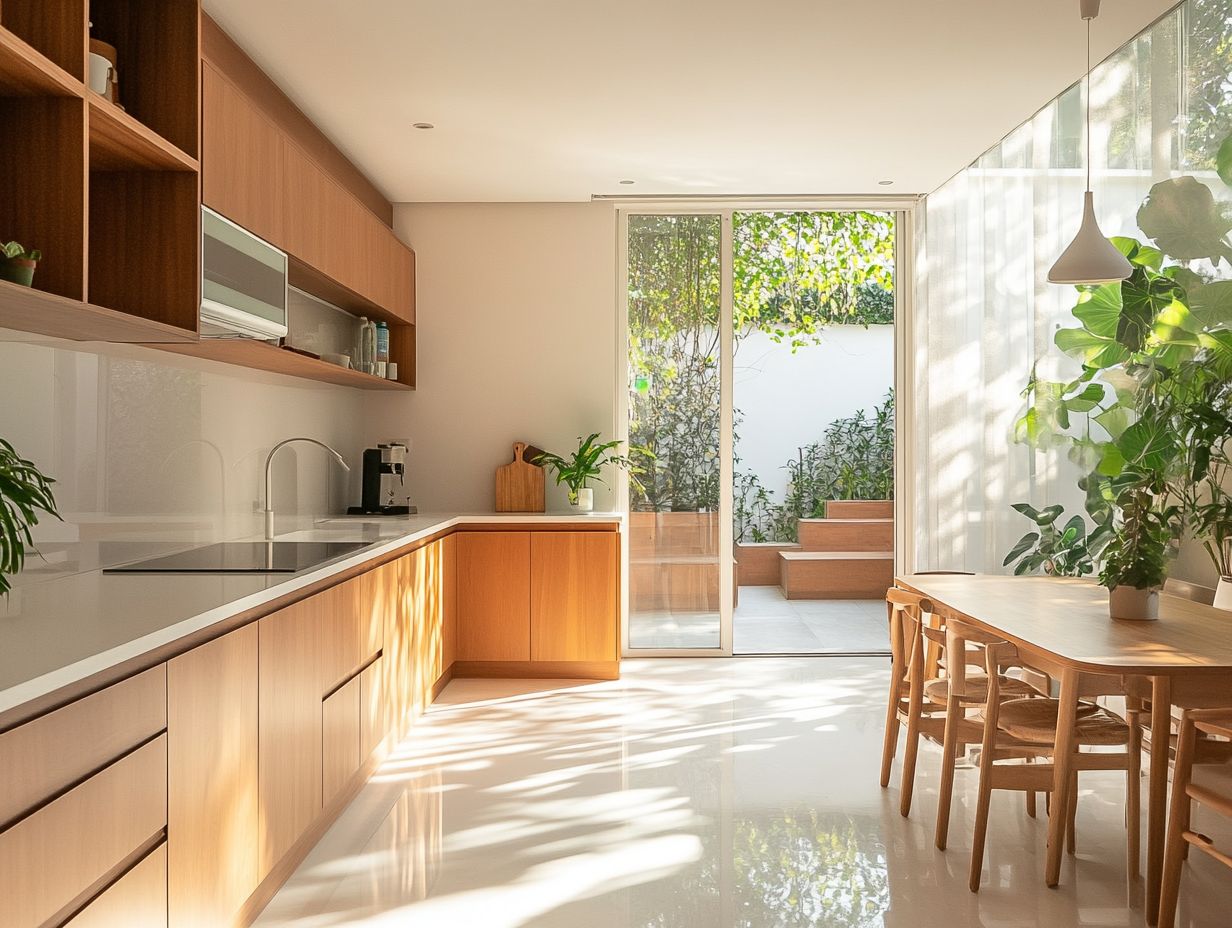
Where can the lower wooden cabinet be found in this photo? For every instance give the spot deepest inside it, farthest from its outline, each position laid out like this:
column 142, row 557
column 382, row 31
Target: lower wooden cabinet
column 138, row 899
column 574, row 595
column 212, row 780
column 340, row 714
column 493, row 596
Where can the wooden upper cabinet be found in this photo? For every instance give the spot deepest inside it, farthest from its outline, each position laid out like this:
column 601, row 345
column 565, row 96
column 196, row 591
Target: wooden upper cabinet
column 493, row 591
column 574, row 583
column 242, row 159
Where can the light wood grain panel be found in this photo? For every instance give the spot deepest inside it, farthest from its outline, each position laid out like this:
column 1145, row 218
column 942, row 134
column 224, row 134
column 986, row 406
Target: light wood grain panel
column 118, row 142
column 262, row 356
column 493, row 596
column 537, row 670
column 449, row 600
column 340, row 739
column 835, row 574
column 228, row 58
column 352, row 627
column 30, row 310
column 241, row 159
column 846, row 534
column 212, row 779
column 53, row 856
column 43, row 757
column 373, row 718
column 574, row 590
column 426, row 578
column 860, row 509
column 138, row 899
column 289, row 753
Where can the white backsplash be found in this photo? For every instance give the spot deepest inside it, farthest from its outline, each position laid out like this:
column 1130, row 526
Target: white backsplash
column 149, row 445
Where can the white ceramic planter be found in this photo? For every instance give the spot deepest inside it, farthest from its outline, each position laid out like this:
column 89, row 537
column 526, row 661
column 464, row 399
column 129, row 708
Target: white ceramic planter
column 1128, row 602
column 1223, row 594
column 585, row 500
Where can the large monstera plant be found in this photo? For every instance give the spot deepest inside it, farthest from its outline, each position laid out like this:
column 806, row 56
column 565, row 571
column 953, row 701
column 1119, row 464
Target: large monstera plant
column 1149, row 417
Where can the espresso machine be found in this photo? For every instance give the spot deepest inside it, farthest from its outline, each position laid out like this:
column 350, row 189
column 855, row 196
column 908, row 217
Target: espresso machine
column 383, row 486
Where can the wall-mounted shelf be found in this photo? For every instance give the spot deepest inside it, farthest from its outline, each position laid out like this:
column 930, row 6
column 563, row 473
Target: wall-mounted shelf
column 25, row 72
column 110, row 197
column 262, row 356
column 118, row 142
column 28, row 310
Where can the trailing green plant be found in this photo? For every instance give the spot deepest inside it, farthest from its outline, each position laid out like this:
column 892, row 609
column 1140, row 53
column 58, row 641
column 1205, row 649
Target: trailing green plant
column 586, row 464
column 853, row 460
column 13, row 250
column 1149, row 417
column 1068, row 551
column 24, row 492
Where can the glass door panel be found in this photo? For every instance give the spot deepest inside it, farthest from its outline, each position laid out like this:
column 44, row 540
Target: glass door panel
column 675, row 426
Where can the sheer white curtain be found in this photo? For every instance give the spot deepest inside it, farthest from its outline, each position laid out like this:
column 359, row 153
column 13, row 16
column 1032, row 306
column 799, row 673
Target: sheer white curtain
column 985, row 315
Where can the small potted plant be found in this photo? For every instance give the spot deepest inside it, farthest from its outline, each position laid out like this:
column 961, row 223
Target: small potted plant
column 1136, row 559
column 24, row 493
column 584, row 465
column 17, row 265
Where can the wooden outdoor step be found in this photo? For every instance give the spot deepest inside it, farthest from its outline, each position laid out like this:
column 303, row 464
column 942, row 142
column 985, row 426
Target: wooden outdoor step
column 846, row 534
column 860, row 509
column 835, row 574
column 759, row 561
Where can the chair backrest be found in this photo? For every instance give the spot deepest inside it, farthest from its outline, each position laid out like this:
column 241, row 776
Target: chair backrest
column 1192, row 591
column 905, row 611
column 990, row 653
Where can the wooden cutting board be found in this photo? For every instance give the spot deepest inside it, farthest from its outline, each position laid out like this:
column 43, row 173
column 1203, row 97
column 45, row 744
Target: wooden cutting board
column 520, row 484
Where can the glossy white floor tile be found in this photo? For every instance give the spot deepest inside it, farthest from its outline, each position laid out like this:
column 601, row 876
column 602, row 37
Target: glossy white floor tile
column 732, row 793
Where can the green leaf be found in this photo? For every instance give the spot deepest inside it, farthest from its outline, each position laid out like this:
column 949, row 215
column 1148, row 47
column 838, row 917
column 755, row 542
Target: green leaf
column 1025, row 544
column 1211, row 304
column 1148, row 444
column 1183, row 219
column 1093, row 350
column 1223, row 161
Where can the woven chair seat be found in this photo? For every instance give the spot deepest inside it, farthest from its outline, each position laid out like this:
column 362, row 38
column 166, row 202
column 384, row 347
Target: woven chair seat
column 938, row 690
column 1035, row 721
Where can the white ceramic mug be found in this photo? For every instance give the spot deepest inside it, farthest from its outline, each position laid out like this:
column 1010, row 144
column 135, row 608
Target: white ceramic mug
column 100, row 74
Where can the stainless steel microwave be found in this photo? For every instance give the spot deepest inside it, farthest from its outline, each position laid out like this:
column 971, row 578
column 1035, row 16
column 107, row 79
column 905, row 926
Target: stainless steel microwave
column 244, row 282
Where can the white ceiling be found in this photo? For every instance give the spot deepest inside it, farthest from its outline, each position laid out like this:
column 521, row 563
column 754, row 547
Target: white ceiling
column 561, row 99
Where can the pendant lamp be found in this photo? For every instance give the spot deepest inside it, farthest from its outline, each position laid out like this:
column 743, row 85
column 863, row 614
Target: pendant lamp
column 1090, row 257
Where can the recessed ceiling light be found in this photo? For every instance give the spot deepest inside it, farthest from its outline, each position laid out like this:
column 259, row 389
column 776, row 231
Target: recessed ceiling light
column 884, row 183
column 628, row 182
column 423, row 125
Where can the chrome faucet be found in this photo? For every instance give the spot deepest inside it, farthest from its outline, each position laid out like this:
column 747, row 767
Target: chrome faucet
column 269, row 478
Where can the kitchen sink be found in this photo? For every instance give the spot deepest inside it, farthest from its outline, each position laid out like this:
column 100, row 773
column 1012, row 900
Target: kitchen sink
column 244, row 557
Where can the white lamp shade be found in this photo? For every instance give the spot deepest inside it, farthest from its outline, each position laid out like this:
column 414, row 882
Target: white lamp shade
column 1090, row 258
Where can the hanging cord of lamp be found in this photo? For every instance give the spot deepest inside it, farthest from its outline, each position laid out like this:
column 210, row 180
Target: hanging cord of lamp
column 1090, row 257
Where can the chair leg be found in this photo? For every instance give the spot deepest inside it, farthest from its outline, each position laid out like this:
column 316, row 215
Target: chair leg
column 981, row 820
column 890, row 746
column 1133, row 804
column 912, row 750
column 1071, row 817
column 1170, row 882
column 949, row 759
column 1031, row 810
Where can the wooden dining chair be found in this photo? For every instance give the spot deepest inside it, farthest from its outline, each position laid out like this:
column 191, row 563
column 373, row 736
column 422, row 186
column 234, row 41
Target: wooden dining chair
column 920, row 698
column 1209, row 785
column 1025, row 729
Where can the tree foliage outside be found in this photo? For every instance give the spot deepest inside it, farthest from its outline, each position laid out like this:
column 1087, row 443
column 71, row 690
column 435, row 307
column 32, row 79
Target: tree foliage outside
column 795, row 273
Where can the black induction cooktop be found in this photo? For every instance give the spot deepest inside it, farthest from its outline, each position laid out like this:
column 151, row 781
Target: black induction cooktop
column 244, row 557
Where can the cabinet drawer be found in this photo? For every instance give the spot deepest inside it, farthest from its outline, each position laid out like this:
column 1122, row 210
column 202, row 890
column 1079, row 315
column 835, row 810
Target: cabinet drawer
column 339, row 739
column 66, row 850
column 54, row 751
column 138, row 899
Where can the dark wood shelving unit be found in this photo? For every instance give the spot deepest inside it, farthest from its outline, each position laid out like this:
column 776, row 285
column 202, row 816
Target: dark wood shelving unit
column 109, row 195
column 262, row 356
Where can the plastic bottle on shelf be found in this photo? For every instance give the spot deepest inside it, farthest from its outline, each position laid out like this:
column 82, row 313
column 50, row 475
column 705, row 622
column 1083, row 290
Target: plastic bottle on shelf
column 366, row 355
column 382, row 342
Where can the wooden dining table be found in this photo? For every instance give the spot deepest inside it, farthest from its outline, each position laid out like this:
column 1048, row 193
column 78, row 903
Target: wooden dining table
column 1061, row 627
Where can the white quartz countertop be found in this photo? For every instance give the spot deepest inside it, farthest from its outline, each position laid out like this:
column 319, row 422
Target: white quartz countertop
column 60, row 627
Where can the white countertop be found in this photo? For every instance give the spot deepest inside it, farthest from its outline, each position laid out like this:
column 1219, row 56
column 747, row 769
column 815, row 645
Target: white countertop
column 59, row 627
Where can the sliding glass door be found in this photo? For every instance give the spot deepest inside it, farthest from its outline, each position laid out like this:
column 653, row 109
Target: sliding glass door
column 675, row 378
column 759, row 371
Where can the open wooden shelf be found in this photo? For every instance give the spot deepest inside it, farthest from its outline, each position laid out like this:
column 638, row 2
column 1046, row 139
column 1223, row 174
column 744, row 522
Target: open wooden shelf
column 28, row 310
column 118, row 142
column 25, row 72
column 262, row 356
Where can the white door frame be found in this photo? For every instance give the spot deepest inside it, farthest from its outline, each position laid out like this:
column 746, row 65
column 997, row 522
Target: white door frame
column 904, row 244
